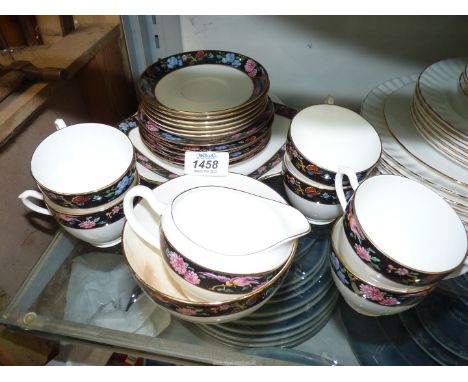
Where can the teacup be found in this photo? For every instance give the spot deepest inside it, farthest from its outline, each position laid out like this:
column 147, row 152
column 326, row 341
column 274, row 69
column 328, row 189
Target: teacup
column 324, row 137
column 84, row 166
column 402, row 229
column 319, row 203
column 100, row 226
column 220, row 240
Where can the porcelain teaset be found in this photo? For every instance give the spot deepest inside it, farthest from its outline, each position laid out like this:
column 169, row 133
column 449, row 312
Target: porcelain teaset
column 215, row 249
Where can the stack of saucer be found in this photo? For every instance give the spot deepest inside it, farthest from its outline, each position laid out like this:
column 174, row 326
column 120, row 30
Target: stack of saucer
column 394, row 107
column 439, row 110
column 298, row 310
column 205, row 101
column 325, row 142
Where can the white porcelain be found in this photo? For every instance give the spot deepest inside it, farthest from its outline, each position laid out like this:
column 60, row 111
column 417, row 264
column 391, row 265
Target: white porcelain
column 439, row 87
column 204, row 88
column 229, row 228
column 81, row 158
column 279, row 131
column 99, row 236
column 356, row 266
column 331, row 136
column 409, row 224
column 400, row 124
column 317, row 213
column 146, row 264
column 366, row 307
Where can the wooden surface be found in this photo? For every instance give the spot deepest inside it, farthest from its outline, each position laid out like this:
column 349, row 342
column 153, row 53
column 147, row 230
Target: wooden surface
column 54, row 28
column 72, row 53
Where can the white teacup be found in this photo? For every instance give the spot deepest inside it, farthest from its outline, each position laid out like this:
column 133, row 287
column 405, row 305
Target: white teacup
column 84, row 166
column 403, row 229
column 100, row 226
column 319, row 203
column 324, row 137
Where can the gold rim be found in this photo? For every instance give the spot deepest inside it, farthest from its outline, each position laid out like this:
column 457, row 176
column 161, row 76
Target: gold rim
column 384, row 253
column 239, row 118
column 389, row 289
column 88, row 211
column 132, row 164
column 285, row 267
column 413, row 156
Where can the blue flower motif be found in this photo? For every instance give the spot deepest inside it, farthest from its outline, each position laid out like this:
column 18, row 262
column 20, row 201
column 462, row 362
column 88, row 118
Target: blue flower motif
column 173, row 61
column 228, row 58
column 335, row 262
column 124, row 127
column 236, row 154
column 236, row 63
column 342, row 277
column 132, row 124
column 326, row 176
column 123, row 184
column 97, row 197
column 326, row 195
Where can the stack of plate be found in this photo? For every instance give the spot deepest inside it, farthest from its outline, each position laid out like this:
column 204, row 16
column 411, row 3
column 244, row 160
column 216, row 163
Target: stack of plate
column 204, row 101
column 439, row 109
column 406, row 152
column 433, row 333
column 298, row 310
column 464, row 81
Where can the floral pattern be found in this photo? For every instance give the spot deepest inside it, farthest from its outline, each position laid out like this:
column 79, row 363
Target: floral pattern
column 314, row 194
column 94, row 199
column 157, row 133
column 374, row 258
column 95, row 220
column 153, row 74
column 370, row 292
column 314, row 172
column 211, row 280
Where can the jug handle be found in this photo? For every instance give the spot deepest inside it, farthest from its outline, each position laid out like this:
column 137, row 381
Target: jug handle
column 349, row 172
column 32, row 194
column 158, row 207
column 60, row 124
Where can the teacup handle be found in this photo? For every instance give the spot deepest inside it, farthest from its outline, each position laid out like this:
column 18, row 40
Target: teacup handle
column 349, row 172
column 32, row 194
column 158, row 207
column 60, row 124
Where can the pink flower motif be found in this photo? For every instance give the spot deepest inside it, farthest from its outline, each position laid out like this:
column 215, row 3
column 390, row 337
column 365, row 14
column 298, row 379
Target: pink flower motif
column 151, row 126
column 355, row 228
column 65, row 217
column 371, row 293
column 291, row 179
column 250, row 67
column 115, row 209
column 192, row 277
column 398, row 271
column 261, row 169
column 184, row 57
column 294, row 153
column 388, row 301
column 362, row 252
column 87, row 224
column 142, row 158
column 224, row 307
column 177, row 263
column 186, row 311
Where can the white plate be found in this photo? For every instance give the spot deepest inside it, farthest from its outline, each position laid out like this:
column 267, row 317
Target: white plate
column 439, row 87
column 373, row 111
column 399, row 122
column 204, row 88
column 279, row 131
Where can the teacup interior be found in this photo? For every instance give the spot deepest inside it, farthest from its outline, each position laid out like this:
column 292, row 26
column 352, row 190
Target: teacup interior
column 331, row 136
column 410, row 223
column 81, row 158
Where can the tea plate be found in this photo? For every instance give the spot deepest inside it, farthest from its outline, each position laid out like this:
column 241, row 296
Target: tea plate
column 398, row 117
column 439, row 87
